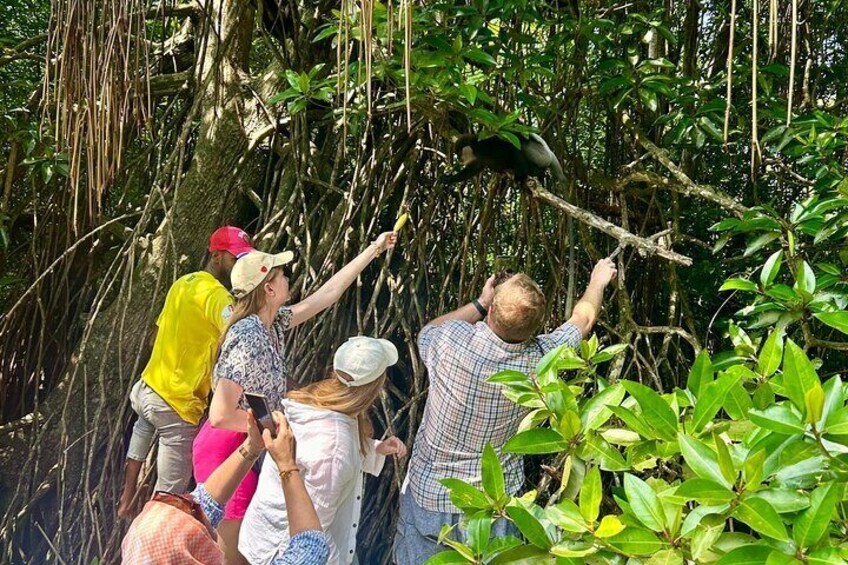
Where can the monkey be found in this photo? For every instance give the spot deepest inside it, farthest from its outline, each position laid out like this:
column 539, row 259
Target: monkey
column 531, row 160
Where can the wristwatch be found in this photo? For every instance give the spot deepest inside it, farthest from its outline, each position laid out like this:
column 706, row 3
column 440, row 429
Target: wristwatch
column 483, row 312
column 245, row 452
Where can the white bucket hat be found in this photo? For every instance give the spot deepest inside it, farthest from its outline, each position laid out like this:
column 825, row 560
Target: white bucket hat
column 364, row 359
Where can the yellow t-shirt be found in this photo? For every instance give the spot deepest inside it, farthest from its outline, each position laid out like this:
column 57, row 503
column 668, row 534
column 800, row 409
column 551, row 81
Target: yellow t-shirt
column 191, row 322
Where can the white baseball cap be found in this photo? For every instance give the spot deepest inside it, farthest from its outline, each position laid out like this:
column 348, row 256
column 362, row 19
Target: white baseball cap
column 252, row 268
column 364, row 359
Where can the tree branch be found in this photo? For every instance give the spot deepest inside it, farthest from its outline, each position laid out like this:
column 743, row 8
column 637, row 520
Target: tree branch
column 688, row 186
column 624, row 237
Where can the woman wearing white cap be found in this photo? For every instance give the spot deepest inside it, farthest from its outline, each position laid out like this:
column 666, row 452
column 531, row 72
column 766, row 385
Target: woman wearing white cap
column 252, row 358
column 330, row 421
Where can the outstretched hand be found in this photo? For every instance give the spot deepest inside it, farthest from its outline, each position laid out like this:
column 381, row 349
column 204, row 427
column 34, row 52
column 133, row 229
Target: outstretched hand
column 392, row 446
column 604, row 271
column 283, row 448
column 385, row 241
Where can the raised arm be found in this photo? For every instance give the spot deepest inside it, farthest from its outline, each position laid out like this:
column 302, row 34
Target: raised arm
column 332, row 290
column 469, row 312
column 589, row 306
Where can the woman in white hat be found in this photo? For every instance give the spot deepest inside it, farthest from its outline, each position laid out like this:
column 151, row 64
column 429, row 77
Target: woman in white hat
column 252, row 358
column 330, row 421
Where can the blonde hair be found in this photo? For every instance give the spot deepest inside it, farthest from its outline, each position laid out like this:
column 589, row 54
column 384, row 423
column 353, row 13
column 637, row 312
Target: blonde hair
column 355, row 401
column 249, row 304
column 518, row 308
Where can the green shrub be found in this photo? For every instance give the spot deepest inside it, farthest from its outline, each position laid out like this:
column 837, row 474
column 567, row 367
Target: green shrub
column 746, row 465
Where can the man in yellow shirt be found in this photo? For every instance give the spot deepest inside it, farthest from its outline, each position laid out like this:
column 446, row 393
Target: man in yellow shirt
column 173, row 391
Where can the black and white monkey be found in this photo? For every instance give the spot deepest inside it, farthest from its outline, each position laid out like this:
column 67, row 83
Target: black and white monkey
column 531, row 160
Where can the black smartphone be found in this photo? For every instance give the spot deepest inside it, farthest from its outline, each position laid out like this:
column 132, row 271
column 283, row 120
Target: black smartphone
column 259, row 404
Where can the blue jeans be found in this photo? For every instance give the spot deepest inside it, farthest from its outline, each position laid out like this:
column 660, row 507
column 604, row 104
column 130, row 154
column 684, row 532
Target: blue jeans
column 416, row 539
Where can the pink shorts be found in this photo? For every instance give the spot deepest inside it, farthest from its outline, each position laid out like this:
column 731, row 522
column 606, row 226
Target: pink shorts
column 211, row 447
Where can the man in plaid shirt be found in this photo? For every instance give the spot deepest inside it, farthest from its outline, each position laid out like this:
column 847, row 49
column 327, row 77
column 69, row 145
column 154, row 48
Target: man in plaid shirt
column 464, row 412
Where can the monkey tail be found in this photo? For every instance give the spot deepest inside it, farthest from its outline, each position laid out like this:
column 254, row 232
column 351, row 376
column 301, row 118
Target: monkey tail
column 557, row 168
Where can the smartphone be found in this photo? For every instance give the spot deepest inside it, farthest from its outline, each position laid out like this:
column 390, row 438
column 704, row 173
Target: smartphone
column 259, row 404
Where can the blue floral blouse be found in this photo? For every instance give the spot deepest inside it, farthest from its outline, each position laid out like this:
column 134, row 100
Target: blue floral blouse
column 254, row 357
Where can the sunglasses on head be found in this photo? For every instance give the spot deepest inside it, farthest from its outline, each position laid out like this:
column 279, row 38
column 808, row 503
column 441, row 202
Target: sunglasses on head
column 183, row 502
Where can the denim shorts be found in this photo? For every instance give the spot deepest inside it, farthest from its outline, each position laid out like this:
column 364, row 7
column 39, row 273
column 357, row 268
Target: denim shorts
column 416, row 539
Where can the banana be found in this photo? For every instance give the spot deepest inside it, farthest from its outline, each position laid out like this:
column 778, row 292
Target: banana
column 400, row 222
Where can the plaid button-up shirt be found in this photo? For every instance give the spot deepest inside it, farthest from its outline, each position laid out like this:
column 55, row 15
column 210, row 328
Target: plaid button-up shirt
column 464, row 412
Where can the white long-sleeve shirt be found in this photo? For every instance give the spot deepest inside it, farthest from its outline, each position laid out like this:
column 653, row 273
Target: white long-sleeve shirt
column 331, row 465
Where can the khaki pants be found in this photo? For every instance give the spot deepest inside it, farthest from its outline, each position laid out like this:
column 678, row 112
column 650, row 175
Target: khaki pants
column 155, row 416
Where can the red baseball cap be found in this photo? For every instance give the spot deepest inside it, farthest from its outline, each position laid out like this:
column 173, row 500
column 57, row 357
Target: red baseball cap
column 232, row 239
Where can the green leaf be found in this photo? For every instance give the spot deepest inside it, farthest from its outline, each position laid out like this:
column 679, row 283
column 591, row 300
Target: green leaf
column 596, row 412
column 826, row 556
column 799, row 375
column 477, row 531
column 493, row 477
column 771, row 354
column 778, row 418
column 698, row 514
column 633, row 421
column 596, row 449
column 752, row 469
column 655, row 410
column 590, row 495
column 771, row 268
column 814, row 401
column 704, row 539
column 702, row 460
column 738, row 284
column 608, row 353
column 836, row 320
column 522, row 555
column 480, row 56
column 701, row 373
column 536, row 441
column 666, row 557
column 805, row 279
column 832, row 400
column 762, row 517
column 746, row 555
column 644, row 502
column 837, row 423
column 785, row 501
column 636, row 541
column 465, row 496
column 737, row 402
column 712, row 399
column 569, row 548
column 610, row 526
column 509, row 377
column 460, row 548
column 567, row 516
column 812, row 524
column 523, row 513
column 759, row 242
column 705, row 492
column 725, row 461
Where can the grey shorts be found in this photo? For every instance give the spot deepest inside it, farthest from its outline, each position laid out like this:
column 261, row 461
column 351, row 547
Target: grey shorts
column 156, row 417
